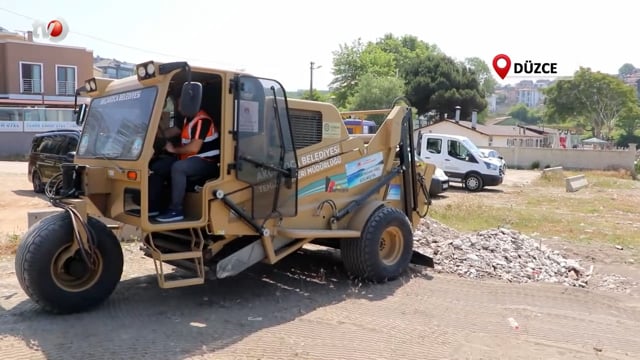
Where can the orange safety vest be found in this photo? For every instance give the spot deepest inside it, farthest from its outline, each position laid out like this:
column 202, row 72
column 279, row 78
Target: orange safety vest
column 211, row 135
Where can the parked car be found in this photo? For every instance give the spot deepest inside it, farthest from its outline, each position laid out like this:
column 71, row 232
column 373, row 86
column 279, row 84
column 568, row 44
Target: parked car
column 460, row 160
column 439, row 182
column 48, row 151
column 494, row 154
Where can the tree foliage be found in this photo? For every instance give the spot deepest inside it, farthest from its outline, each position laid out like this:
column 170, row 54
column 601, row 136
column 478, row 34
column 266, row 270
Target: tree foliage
column 437, row 82
column 485, row 77
column 433, row 80
column 523, row 113
column 598, row 99
column 383, row 58
column 375, row 92
column 347, row 69
column 315, row 96
column 629, row 120
column 626, row 69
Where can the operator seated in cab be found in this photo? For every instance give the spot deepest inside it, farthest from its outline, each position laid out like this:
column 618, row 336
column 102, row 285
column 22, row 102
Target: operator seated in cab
column 197, row 155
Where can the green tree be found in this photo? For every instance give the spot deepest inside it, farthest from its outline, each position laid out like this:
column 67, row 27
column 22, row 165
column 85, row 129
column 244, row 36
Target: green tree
column 596, row 98
column 523, row 113
column 519, row 112
column 347, row 69
column 438, row 82
column 375, row 92
column 384, row 58
column 483, row 73
column 629, row 120
column 626, row 69
column 405, row 49
column 315, row 96
column 375, row 61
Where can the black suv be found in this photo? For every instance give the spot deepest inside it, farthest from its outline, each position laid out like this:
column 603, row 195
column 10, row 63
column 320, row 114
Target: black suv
column 48, row 151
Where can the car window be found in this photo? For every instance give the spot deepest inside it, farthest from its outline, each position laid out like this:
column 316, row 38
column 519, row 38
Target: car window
column 459, row 151
column 434, row 145
column 71, row 145
column 36, row 144
column 48, row 145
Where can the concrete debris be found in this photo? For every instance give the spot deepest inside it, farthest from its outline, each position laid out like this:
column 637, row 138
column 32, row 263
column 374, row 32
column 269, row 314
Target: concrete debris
column 498, row 253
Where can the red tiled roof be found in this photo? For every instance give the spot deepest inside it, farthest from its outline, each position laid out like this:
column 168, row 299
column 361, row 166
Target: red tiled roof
column 492, row 130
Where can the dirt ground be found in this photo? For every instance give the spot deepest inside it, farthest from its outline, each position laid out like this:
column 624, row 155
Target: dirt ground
column 307, row 308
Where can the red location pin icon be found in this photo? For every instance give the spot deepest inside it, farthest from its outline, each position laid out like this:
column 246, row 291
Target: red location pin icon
column 502, row 71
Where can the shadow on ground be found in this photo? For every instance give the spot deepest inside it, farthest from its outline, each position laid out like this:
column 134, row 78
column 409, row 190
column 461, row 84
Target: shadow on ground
column 30, row 194
column 140, row 320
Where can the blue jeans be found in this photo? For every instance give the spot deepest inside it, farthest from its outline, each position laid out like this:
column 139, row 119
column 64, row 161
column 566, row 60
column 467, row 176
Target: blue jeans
column 177, row 171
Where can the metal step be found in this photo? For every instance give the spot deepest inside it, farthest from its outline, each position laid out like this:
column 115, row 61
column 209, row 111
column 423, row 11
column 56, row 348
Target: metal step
column 185, row 265
column 178, row 254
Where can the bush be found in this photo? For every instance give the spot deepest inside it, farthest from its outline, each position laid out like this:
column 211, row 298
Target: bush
column 535, row 165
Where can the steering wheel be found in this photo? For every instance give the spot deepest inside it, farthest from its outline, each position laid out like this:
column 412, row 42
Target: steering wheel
column 159, row 145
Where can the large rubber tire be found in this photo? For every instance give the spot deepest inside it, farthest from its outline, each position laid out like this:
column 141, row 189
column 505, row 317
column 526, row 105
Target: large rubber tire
column 63, row 293
column 36, row 180
column 384, row 249
column 473, row 182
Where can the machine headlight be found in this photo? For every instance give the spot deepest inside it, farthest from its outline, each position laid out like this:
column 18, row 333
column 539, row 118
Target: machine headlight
column 90, row 85
column 146, row 70
column 151, row 69
column 142, row 72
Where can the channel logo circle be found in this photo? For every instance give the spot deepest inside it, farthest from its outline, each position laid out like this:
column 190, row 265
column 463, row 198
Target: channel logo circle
column 55, row 28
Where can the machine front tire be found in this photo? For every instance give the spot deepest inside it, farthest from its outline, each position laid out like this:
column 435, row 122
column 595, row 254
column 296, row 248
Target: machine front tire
column 384, row 249
column 60, row 284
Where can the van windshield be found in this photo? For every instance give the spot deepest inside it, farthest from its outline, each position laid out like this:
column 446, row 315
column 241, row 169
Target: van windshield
column 116, row 125
column 470, row 146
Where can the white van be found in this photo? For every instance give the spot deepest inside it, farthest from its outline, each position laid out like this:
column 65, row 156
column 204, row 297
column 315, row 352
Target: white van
column 460, row 159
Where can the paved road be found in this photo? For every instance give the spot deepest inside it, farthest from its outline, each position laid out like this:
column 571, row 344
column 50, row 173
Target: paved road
column 306, row 308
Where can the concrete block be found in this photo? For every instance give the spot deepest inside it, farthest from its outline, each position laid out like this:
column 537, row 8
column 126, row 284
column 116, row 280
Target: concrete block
column 552, row 170
column 34, row 216
column 575, row 183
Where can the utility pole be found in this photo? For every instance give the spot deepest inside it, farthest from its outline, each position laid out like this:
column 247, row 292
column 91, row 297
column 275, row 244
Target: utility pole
column 311, row 68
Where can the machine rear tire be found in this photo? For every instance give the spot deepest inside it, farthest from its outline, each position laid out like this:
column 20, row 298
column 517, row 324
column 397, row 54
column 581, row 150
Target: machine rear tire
column 71, row 288
column 384, row 249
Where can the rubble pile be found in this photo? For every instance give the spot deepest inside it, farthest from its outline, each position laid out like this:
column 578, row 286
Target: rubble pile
column 497, row 253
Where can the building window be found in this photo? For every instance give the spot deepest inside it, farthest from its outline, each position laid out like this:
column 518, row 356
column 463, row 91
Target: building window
column 30, row 78
column 65, row 80
column 111, row 73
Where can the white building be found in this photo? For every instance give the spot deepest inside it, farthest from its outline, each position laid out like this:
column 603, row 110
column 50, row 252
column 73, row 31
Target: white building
column 487, row 135
column 530, row 93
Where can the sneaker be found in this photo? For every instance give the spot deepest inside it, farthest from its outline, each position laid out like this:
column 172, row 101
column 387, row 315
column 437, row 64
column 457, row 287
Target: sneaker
column 171, row 215
column 136, row 212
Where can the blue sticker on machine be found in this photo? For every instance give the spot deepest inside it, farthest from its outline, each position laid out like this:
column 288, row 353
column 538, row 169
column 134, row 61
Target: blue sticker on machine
column 365, row 169
column 335, row 183
column 394, row 192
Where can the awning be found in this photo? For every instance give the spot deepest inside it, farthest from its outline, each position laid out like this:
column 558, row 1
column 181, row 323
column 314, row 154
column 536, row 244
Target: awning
column 36, row 102
column 594, row 141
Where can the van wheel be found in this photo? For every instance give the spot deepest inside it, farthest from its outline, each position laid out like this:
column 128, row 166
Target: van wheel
column 473, row 182
column 36, row 180
column 384, row 249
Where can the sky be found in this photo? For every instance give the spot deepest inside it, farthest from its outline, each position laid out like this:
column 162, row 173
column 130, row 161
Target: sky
column 278, row 39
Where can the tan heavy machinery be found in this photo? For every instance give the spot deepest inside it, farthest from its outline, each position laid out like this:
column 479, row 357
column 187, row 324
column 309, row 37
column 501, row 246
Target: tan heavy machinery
column 289, row 175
